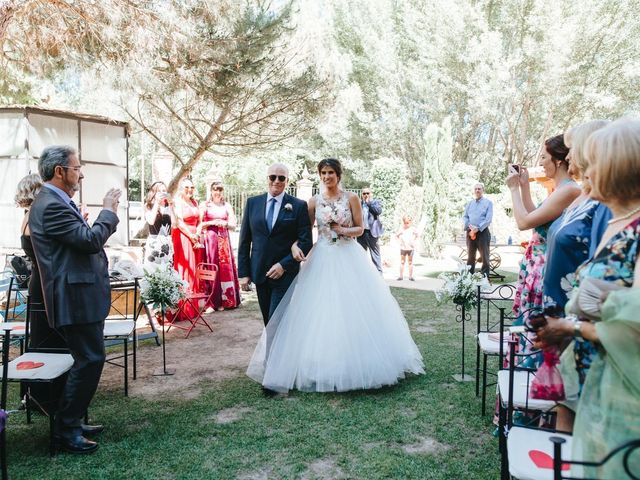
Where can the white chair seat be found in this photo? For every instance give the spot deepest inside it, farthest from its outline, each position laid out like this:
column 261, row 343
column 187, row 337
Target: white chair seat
column 531, row 453
column 520, row 391
column 118, row 328
column 55, row 364
column 489, row 344
column 17, row 328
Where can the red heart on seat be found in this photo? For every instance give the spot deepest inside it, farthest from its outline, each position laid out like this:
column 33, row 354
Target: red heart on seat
column 544, row 460
column 29, row 365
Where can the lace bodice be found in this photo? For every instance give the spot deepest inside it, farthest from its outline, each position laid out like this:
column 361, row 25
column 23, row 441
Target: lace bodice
column 333, row 211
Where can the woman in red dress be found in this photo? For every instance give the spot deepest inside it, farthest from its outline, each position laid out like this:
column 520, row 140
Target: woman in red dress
column 187, row 250
column 216, row 218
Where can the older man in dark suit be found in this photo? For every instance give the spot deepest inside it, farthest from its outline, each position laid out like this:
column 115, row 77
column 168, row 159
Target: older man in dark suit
column 371, row 211
column 271, row 224
column 75, row 284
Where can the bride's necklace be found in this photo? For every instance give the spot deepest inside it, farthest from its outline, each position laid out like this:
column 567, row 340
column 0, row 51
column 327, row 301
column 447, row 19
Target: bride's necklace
column 629, row 214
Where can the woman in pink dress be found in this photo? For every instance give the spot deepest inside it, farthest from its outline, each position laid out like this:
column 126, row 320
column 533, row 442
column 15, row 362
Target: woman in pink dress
column 187, row 250
column 216, row 218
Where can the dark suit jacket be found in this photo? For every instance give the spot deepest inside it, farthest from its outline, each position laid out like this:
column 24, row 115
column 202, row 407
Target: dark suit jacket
column 74, row 269
column 259, row 250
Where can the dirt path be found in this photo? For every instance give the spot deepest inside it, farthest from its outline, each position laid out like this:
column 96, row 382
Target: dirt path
column 218, row 355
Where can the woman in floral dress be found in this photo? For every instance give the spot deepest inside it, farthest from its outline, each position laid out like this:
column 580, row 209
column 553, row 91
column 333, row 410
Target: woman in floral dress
column 216, row 218
column 529, row 291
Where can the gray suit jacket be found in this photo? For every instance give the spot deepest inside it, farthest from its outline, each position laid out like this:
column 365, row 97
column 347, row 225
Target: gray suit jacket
column 374, row 223
column 74, row 270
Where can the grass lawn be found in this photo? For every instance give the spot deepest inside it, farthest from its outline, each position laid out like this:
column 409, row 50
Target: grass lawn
column 426, row 427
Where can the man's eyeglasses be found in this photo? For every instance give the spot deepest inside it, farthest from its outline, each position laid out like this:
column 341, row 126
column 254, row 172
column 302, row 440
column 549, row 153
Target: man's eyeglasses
column 366, row 193
column 281, row 178
column 218, row 189
column 75, row 169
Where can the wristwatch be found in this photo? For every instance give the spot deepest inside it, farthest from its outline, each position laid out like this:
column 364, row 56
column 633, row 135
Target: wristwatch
column 577, row 329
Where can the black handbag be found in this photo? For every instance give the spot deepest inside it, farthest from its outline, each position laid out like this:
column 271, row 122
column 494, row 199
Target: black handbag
column 21, row 267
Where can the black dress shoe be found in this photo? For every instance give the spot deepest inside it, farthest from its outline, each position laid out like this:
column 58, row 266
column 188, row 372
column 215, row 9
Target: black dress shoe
column 92, row 429
column 75, row 444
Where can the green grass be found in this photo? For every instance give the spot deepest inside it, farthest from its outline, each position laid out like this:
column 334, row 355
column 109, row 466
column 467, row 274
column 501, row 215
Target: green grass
column 353, row 435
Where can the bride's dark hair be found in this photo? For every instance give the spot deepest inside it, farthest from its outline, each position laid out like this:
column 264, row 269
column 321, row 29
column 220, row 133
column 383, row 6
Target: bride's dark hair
column 332, row 163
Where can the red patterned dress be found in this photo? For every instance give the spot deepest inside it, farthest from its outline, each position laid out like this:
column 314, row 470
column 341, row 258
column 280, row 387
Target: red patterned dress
column 226, row 289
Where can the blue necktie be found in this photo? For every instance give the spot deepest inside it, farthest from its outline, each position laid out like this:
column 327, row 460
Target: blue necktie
column 272, row 203
column 74, row 206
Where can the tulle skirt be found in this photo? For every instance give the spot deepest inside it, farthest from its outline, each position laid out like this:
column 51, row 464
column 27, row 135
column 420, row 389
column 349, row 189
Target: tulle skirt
column 338, row 328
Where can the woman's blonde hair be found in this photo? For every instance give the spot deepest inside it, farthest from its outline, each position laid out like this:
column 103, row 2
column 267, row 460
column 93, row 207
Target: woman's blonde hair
column 576, row 137
column 27, row 190
column 613, row 154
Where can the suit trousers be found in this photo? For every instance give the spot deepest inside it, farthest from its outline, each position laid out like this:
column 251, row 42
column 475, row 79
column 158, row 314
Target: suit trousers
column 269, row 296
column 369, row 242
column 86, row 345
column 481, row 243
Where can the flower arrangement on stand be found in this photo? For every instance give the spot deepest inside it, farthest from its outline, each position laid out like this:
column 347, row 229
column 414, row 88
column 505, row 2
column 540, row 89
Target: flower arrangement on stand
column 162, row 287
column 460, row 287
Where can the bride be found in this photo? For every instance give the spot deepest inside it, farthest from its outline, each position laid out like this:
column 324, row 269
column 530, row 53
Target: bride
column 338, row 327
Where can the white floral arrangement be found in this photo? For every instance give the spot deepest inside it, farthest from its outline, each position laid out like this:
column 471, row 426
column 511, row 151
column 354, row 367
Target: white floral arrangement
column 162, row 286
column 461, row 287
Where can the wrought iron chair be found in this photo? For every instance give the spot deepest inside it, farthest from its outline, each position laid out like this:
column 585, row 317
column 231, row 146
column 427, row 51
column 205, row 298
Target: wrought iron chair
column 197, row 301
column 491, row 338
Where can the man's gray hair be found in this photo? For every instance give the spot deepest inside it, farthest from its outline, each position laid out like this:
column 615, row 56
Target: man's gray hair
column 53, row 156
column 479, row 184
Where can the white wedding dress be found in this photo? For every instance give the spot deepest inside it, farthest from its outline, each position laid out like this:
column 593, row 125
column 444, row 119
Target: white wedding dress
column 338, row 327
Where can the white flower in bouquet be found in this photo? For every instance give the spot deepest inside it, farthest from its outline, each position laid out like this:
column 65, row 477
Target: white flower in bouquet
column 461, row 287
column 162, row 286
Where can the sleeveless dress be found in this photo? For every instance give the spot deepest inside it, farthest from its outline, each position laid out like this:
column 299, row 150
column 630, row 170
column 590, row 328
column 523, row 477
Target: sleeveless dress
column 226, row 289
column 159, row 246
column 185, row 257
column 338, row 327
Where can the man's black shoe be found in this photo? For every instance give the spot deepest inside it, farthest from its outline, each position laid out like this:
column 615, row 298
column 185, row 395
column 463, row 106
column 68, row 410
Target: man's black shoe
column 92, row 429
column 76, row 444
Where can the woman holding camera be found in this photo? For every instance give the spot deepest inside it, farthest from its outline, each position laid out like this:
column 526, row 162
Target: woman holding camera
column 216, row 218
column 159, row 216
column 553, row 160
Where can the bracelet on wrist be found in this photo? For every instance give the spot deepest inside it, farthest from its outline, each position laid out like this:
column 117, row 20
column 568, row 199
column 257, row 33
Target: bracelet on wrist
column 577, row 330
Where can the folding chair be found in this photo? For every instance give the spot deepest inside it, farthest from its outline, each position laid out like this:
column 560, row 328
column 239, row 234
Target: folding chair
column 197, row 301
column 121, row 328
column 561, row 465
column 516, row 441
column 35, row 367
column 491, row 338
column 11, row 312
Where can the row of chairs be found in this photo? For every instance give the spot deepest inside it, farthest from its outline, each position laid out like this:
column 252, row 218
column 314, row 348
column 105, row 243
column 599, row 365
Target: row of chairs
column 528, row 452
column 40, row 365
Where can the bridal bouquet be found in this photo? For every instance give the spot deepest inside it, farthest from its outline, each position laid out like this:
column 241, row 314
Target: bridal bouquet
column 162, row 286
column 461, row 287
column 334, row 213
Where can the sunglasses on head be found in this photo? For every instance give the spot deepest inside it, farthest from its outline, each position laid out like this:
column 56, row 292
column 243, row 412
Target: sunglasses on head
column 281, row 178
column 218, row 189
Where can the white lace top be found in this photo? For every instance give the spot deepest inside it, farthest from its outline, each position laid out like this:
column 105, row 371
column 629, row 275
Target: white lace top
column 333, row 211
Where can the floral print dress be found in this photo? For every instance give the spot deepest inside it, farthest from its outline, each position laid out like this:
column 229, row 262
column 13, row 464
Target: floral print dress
column 614, row 263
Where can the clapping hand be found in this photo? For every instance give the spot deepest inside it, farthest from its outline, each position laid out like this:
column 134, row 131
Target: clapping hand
column 112, row 200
